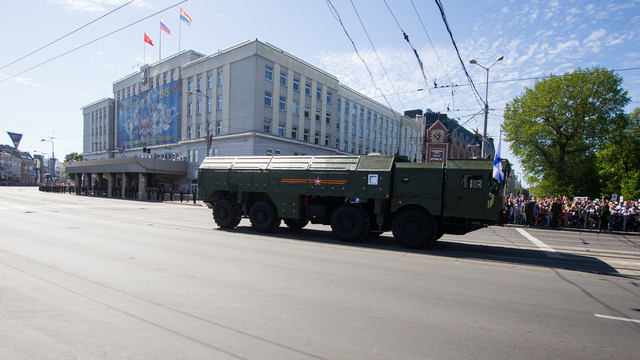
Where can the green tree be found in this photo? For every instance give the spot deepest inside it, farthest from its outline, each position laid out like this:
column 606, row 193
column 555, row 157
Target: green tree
column 75, row 156
column 556, row 128
column 619, row 161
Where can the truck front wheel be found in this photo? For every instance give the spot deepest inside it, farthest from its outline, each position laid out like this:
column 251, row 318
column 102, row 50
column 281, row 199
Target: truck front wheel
column 264, row 216
column 415, row 229
column 226, row 213
column 350, row 223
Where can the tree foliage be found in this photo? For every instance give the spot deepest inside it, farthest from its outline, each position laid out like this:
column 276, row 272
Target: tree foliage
column 556, row 128
column 620, row 160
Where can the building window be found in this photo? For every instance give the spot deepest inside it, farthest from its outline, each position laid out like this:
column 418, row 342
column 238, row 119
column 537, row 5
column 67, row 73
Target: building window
column 294, row 107
column 190, row 109
column 173, row 76
column 281, row 129
column 319, row 93
column 338, row 144
column 283, row 78
column 269, row 151
column 277, row 152
column 307, row 89
column 216, row 152
column 353, row 129
column 219, row 102
column 158, row 81
column 316, row 139
column 374, row 136
column 190, row 86
column 296, row 84
column 346, row 126
column 268, row 72
column 386, row 124
column 344, row 145
column 208, row 105
column 189, row 134
column 346, row 107
column 385, row 140
column 375, row 119
column 328, row 97
column 360, row 131
column 338, row 124
column 209, row 82
column 190, row 156
column 368, row 133
column 199, row 107
column 368, row 115
column 200, row 84
column 306, row 135
column 198, row 131
column 267, row 99
column 360, row 149
column 220, row 78
column 134, row 90
column 307, row 109
column 361, row 113
column 294, row 132
column 327, row 140
column 195, row 156
column 283, row 103
column 219, row 128
column 317, row 114
column 164, row 79
column 328, row 118
column 338, row 104
column 267, row 126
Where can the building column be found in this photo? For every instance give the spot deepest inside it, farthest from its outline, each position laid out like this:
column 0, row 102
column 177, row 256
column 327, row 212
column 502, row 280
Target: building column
column 124, row 185
column 110, row 182
column 142, row 186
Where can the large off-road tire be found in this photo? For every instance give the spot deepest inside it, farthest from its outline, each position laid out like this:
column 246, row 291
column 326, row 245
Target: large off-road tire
column 414, row 228
column 350, row 223
column 264, row 216
column 296, row 224
column 226, row 213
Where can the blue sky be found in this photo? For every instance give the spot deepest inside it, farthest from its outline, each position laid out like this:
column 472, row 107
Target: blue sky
column 536, row 38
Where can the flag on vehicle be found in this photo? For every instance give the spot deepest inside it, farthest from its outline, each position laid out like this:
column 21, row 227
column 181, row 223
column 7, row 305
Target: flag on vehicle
column 497, row 163
column 147, row 39
column 184, row 17
column 164, row 27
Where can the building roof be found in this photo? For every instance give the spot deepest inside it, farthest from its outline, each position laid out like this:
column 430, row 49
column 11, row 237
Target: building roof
column 15, row 152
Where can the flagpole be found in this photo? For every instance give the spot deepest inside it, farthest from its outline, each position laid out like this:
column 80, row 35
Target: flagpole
column 160, row 44
column 179, row 34
column 144, row 52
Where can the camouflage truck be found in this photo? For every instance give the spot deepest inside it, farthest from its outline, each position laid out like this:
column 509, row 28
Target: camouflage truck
column 357, row 195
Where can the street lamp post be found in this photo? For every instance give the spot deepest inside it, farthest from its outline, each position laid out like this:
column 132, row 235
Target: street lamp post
column 52, row 161
column 206, row 116
column 486, row 100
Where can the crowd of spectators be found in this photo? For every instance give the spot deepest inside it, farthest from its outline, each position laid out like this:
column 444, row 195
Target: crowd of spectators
column 583, row 212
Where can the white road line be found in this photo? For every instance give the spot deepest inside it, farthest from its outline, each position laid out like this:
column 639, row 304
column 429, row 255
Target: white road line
column 544, row 247
column 616, row 318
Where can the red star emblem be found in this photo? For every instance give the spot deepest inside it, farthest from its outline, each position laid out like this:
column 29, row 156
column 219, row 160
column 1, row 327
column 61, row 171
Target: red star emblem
column 318, row 181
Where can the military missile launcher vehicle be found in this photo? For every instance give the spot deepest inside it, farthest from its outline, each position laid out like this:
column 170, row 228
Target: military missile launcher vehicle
column 357, row 195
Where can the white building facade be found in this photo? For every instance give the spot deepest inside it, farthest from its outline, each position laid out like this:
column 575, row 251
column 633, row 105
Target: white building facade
column 249, row 99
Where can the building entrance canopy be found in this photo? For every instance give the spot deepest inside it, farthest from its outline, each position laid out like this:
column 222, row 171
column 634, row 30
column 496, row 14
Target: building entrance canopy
column 128, row 165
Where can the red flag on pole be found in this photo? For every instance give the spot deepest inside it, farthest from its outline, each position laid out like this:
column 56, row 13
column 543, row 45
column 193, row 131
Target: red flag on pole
column 147, row 39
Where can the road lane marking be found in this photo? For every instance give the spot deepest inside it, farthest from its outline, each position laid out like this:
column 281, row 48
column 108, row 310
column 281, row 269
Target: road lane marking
column 544, row 247
column 616, row 318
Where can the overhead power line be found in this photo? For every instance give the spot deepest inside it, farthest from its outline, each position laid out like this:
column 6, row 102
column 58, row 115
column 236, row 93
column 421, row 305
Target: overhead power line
column 92, row 41
column 376, row 52
column 74, row 31
column 455, row 46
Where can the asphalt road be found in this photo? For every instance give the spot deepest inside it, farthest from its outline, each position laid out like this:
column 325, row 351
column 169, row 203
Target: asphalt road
column 98, row 278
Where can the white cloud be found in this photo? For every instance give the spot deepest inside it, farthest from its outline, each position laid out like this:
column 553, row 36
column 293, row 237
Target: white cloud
column 95, row 5
column 593, row 40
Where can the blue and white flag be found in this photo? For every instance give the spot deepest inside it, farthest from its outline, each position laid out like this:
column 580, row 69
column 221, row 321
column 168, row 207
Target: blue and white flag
column 497, row 163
